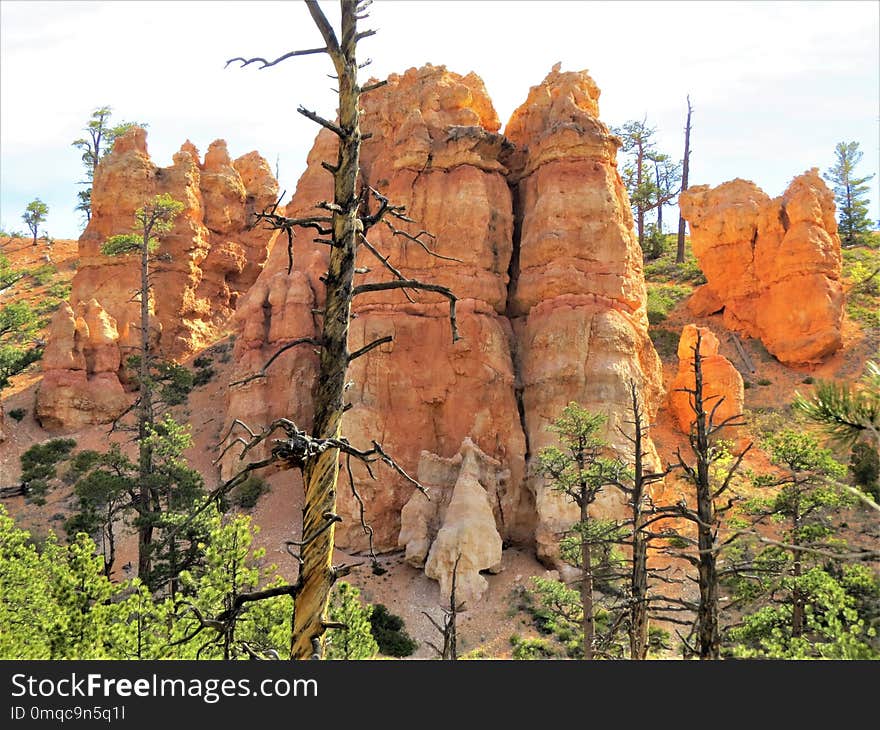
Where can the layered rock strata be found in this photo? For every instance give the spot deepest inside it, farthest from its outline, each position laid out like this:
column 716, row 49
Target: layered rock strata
column 534, row 235
column 578, row 302
column 202, row 265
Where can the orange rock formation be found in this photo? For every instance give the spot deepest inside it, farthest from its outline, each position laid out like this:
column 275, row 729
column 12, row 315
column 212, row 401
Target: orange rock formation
column 721, row 380
column 206, row 261
column 761, row 255
column 536, row 240
column 578, row 303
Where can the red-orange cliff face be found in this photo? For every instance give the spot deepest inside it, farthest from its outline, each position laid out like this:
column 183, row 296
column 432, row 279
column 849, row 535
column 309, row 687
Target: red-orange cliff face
column 761, row 255
column 207, row 260
column 578, row 303
column 544, row 207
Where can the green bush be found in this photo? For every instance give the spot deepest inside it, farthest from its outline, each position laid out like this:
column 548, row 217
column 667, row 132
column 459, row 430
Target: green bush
column 249, row 492
column 39, row 466
column 665, row 342
column 59, row 290
column 864, row 464
column 662, row 298
column 665, row 269
column 42, row 275
column 389, row 632
column 355, row 641
column 528, row 649
column 17, row 413
column 203, row 361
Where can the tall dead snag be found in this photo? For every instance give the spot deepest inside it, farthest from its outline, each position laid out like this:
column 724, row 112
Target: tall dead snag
column 710, row 488
column 347, row 222
column 685, row 165
column 637, row 491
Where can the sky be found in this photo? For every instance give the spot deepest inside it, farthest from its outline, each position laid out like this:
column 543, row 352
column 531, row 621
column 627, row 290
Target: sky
column 774, row 86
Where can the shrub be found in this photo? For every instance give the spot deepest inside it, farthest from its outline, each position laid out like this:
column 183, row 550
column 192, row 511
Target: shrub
column 356, row 640
column 864, row 464
column 17, row 413
column 249, row 492
column 665, row 342
column 203, row 376
column 42, row 275
column 808, row 380
column 39, row 466
column 203, row 361
column 526, row 649
column 662, row 298
column 765, row 381
column 654, row 243
column 389, row 632
column 59, row 290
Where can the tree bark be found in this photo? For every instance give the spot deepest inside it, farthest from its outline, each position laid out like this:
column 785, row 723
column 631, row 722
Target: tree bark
column 145, row 421
column 707, row 614
column 685, row 165
column 797, row 596
column 659, row 193
column 321, row 473
column 638, row 634
column 586, row 579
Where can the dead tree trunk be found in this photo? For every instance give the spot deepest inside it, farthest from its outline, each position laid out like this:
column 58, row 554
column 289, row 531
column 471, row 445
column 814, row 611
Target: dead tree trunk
column 321, row 474
column 685, row 165
column 640, row 206
column 707, row 516
column 707, row 616
column 635, row 487
column 638, row 633
column 449, row 651
column 588, row 621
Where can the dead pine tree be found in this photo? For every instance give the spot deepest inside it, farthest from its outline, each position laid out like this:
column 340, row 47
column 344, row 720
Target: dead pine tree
column 636, row 487
column 685, row 165
column 449, row 651
column 710, row 489
column 343, row 225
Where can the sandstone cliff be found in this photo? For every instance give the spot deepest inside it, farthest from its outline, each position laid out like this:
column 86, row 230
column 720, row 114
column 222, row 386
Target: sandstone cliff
column 578, row 300
column 534, row 235
column 760, row 254
column 435, row 149
column 207, row 260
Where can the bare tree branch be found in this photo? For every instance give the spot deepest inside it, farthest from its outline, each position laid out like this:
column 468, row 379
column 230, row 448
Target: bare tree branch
column 290, row 345
column 414, row 284
column 267, row 64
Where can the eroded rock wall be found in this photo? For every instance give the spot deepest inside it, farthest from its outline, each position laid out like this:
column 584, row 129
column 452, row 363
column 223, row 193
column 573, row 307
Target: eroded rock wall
column 578, row 302
column 543, row 205
column 435, row 149
column 204, row 263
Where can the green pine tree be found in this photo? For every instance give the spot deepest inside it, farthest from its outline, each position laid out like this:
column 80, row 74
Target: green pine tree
column 850, row 194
